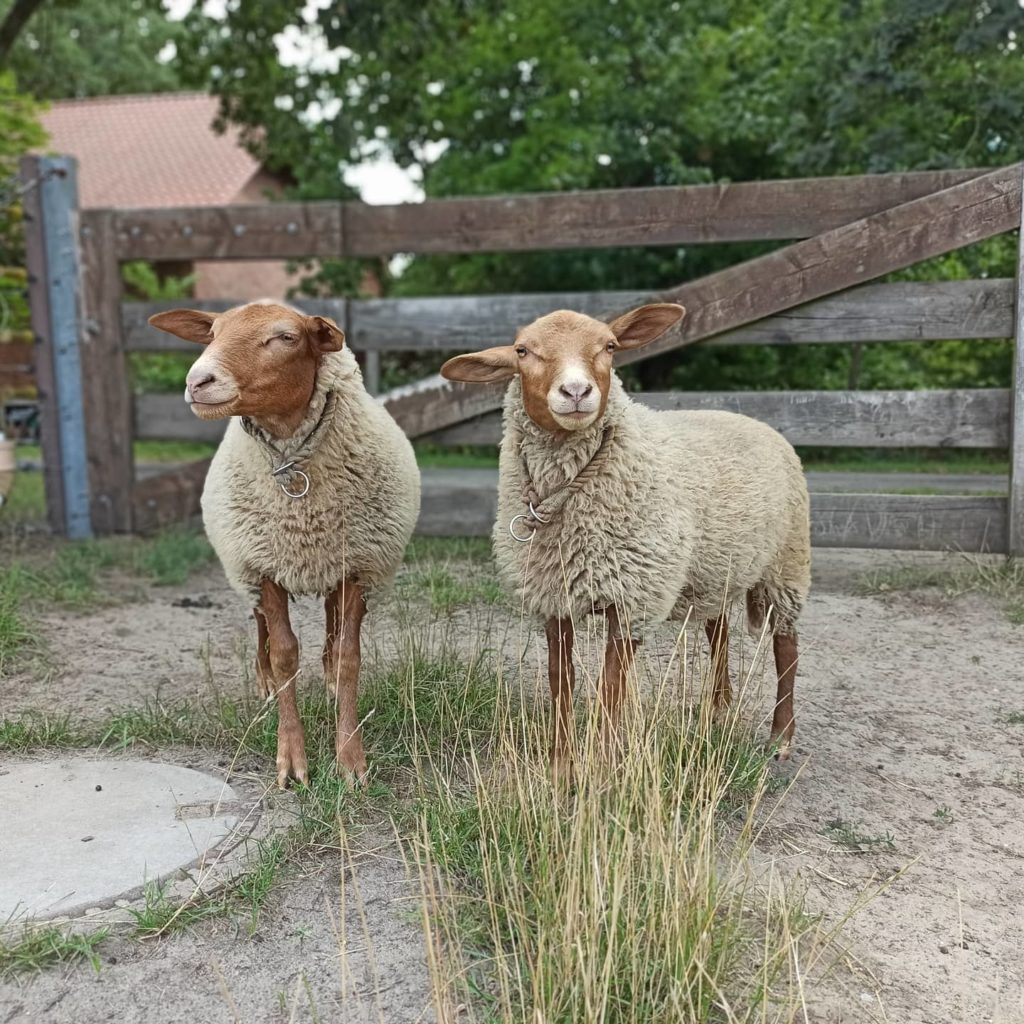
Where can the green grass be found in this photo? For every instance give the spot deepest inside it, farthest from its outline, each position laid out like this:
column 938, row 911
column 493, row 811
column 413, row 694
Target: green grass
column 434, row 456
column 904, row 460
column 847, row 834
column 73, row 576
column 36, row 948
column 1014, row 718
column 448, row 549
column 1000, row 579
column 446, row 592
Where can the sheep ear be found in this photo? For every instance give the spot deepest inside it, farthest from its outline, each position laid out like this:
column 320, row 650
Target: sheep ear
column 641, row 326
column 190, row 324
column 493, row 364
column 327, row 336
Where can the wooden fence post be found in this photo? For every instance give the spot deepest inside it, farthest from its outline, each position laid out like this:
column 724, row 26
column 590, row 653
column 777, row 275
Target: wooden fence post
column 105, row 389
column 51, row 242
column 1015, row 512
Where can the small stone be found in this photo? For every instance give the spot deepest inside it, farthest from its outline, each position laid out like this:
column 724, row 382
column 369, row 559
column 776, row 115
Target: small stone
column 944, row 949
column 88, row 839
column 99, row 788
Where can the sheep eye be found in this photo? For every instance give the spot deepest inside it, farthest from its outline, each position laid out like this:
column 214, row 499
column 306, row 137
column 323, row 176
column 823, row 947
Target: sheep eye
column 520, row 351
column 611, row 346
column 289, row 338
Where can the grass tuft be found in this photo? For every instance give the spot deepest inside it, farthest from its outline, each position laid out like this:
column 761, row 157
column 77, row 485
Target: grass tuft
column 623, row 901
column 1001, row 579
column 35, row 948
column 848, row 834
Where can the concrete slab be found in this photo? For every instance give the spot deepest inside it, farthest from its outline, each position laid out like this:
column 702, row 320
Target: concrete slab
column 78, row 833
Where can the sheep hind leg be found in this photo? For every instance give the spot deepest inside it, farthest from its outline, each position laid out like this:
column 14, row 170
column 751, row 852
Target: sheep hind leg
column 347, row 660
column 618, row 659
column 283, row 658
column 783, row 721
column 562, row 681
column 718, row 637
column 332, row 610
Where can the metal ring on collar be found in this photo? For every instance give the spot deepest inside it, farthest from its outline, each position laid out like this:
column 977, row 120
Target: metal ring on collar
column 512, row 529
column 540, row 519
column 296, row 494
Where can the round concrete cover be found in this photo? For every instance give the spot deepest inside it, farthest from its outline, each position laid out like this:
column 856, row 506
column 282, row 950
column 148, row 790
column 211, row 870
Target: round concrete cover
column 78, row 833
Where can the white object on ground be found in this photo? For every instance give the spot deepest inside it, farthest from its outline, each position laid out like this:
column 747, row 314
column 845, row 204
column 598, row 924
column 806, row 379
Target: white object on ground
column 77, row 833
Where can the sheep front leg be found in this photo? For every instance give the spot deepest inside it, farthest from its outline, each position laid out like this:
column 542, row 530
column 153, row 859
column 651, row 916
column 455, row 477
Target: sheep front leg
column 264, row 673
column 345, row 662
column 618, row 660
column 783, row 721
column 562, row 680
column 718, row 637
column 283, row 661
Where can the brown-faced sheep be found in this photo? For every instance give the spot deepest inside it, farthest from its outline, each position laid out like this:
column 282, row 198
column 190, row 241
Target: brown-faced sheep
column 605, row 505
column 313, row 490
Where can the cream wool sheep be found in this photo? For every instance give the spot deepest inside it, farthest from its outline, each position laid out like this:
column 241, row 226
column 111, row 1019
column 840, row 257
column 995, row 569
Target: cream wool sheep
column 360, row 511
column 607, row 506
column 313, row 490
column 691, row 510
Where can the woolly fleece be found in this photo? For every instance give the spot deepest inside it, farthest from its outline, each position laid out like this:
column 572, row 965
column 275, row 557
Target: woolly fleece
column 688, row 509
column 356, row 520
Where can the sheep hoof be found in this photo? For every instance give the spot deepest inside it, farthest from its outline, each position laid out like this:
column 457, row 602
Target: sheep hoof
column 351, row 762
column 291, row 759
column 780, row 747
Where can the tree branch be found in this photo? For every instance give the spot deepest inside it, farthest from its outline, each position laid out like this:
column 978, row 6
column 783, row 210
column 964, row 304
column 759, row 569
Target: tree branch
column 17, row 16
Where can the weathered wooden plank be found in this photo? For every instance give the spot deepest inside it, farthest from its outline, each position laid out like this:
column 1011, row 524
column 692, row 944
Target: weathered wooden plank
column 140, row 337
column 105, row 390
column 254, row 231
column 458, row 503
column 1015, row 530
column 742, row 211
column 904, row 311
column 464, row 503
column 168, row 418
column 466, row 321
column 920, row 522
column 168, row 498
column 968, row 418
column 842, row 258
column 649, row 216
column 17, row 367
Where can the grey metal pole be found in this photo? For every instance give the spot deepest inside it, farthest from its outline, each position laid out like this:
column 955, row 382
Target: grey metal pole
column 54, row 257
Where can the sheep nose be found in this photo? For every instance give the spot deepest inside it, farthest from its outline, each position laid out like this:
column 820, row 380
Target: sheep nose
column 576, row 390
column 197, row 380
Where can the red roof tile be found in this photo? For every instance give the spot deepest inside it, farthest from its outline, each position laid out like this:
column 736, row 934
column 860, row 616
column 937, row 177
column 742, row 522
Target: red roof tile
column 149, row 150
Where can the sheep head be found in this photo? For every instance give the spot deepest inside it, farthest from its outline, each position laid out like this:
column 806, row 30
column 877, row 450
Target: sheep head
column 564, row 361
column 260, row 361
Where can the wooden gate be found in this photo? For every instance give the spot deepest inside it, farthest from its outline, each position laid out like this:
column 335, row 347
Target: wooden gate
column 853, row 230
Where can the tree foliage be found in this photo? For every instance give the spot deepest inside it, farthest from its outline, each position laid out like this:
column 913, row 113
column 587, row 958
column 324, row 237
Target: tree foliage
column 483, row 96
column 74, row 48
column 20, row 131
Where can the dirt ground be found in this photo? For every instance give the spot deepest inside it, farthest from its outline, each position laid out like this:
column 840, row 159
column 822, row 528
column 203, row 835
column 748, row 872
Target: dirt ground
column 906, row 748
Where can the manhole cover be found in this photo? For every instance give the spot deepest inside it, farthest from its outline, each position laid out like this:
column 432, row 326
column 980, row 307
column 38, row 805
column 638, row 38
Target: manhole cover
column 78, row 833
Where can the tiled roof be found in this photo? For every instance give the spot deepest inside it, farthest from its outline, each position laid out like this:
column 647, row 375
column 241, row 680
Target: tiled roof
column 149, row 150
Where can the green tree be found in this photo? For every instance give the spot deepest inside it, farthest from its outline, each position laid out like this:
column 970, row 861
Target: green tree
column 20, row 131
column 91, row 48
column 558, row 94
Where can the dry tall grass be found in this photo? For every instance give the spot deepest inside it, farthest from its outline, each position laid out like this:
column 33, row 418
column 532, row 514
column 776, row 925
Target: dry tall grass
column 629, row 899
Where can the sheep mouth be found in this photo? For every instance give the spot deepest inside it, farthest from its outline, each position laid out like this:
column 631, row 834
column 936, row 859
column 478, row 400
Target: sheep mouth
column 575, row 418
column 213, row 410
